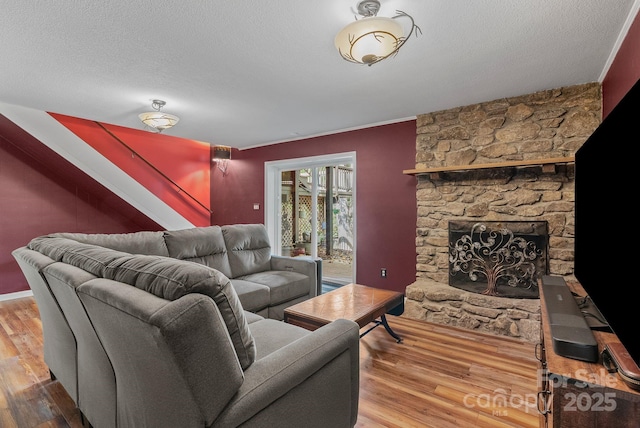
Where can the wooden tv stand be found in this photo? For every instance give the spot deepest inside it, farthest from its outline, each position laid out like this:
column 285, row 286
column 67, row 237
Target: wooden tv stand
column 574, row 393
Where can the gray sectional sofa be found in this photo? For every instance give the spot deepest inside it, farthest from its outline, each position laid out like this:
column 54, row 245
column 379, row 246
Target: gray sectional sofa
column 183, row 328
column 265, row 283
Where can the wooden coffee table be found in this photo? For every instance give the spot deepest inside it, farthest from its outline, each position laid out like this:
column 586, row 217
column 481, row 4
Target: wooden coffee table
column 355, row 302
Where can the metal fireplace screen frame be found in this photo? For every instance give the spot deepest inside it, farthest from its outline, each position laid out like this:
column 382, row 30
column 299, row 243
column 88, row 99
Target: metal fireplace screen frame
column 498, row 258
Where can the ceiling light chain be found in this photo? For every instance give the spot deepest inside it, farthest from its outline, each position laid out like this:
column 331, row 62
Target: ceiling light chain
column 371, row 39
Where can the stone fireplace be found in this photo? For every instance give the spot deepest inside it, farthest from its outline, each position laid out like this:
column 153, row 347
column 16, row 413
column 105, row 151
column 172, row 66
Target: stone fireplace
column 477, row 164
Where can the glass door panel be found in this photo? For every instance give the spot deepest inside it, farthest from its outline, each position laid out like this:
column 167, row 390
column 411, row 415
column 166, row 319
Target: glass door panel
column 317, row 219
column 314, row 214
column 287, row 226
column 336, row 184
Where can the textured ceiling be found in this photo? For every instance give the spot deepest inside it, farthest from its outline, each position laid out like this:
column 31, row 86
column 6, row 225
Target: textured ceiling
column 246, row 74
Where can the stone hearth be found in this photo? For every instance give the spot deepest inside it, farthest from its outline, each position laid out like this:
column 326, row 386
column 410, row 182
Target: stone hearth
column 542, row 125
column 440, row 303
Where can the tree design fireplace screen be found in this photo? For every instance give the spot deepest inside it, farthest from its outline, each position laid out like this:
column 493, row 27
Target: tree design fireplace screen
column 498, row 258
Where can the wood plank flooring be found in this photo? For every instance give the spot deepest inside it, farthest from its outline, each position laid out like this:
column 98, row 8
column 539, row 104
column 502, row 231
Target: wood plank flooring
column 444, row 377
column 437, row 377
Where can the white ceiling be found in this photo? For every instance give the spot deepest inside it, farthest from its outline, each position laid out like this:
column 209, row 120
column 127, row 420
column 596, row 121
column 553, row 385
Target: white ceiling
column 250, row 73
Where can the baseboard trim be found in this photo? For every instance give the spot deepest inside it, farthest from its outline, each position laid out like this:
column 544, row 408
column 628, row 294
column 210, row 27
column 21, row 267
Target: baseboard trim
column 16, row 295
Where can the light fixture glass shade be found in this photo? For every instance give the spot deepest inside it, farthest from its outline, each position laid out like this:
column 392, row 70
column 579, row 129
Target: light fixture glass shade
column 158, row 120
column 370, row 39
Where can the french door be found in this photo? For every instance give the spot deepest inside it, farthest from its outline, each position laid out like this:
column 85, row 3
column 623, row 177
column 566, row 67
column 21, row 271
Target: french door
column 310, row 210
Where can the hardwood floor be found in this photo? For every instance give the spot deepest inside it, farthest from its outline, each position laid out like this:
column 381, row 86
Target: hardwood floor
column 444, row 377
column 437, row 377
column 28, row 397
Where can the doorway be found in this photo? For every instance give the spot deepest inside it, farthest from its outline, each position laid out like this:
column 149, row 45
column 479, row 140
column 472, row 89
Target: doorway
column 310, row 211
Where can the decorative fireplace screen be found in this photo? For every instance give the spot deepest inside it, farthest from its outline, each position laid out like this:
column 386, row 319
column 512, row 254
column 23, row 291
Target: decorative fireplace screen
column 498, row 258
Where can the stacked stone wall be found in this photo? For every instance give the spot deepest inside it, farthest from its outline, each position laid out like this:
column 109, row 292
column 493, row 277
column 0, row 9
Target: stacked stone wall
column 547, row 124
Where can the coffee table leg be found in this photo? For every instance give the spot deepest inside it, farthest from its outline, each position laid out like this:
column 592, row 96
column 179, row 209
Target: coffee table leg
column 383, row 322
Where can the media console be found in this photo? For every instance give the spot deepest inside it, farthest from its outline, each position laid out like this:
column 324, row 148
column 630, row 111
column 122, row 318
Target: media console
column 578, row 393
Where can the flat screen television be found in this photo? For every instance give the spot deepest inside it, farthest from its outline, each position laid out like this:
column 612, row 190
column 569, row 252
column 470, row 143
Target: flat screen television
column 607, row 220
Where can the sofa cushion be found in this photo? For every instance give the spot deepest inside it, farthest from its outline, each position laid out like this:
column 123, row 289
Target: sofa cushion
column 272, row 335
column 252, row 317
column 144, row 242
column 283, row 285
column 89, row 257
column 204, row 245
column 248, row 248
column 252, row 295
column 171, row 279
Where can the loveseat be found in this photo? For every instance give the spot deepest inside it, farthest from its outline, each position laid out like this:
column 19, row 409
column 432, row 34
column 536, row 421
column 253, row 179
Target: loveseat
column 182, row 328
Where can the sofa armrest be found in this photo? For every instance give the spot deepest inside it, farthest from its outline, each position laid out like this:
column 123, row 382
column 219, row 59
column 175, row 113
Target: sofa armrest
column 304, row 265
column 315, row 379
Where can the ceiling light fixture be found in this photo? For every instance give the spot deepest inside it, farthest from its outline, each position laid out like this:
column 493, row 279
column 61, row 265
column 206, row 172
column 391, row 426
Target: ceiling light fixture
column 157, row 120
column 371, row 39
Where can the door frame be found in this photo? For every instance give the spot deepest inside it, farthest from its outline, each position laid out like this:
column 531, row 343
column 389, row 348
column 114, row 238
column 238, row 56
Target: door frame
column 272, row 193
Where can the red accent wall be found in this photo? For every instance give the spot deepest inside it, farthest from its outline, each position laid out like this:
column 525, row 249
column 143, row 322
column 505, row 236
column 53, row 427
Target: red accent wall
column 43, row 193
column 624, row 71
column 187, row 163
column 385, row 197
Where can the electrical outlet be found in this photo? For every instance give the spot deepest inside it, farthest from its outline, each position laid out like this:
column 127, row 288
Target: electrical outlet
column 383, row 272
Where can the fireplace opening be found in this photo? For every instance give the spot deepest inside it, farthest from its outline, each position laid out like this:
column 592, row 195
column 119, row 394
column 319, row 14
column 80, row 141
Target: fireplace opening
column 498, row 258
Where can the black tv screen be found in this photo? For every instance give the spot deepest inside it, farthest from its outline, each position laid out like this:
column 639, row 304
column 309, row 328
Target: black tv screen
column 607, row 242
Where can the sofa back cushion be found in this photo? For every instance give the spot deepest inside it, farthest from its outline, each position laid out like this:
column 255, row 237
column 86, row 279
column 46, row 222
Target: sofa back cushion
column 89, row 257
column 173, row 360
column 145, row 242
column 171, row 279
column 164, row 277
column 248, row 248
column 204, row 245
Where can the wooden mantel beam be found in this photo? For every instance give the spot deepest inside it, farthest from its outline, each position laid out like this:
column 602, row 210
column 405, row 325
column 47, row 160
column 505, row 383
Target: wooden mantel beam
column 509, row 164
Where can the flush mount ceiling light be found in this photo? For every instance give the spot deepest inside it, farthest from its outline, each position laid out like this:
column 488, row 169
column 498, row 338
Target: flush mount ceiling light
column 372, row 38
column 157, row 120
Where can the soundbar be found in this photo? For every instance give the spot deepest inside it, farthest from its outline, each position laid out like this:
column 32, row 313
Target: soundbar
column 571, row 336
